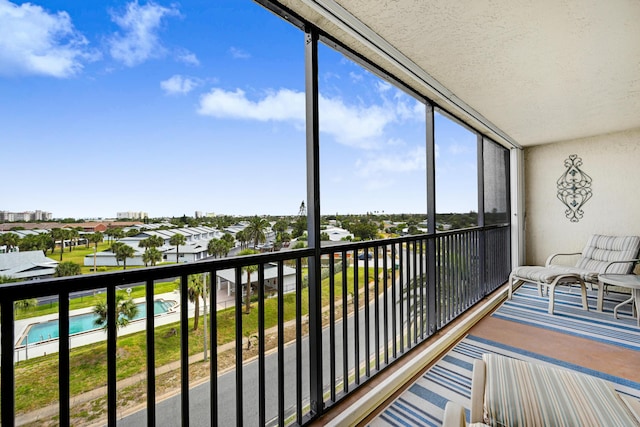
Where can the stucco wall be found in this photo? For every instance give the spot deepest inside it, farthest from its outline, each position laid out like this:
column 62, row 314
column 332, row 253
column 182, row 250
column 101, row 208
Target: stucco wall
column 613, row 163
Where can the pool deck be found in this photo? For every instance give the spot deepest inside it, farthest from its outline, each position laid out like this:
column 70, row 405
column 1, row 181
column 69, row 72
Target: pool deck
column 84, row 338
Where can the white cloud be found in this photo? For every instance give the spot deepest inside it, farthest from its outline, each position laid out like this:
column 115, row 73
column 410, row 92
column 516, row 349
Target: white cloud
column 383, row 86
column 284, row 105
column 139, row 39
column 355, row 77
column 187, row 57
column 178, row 85
column 383, row 163
column 356, row 126
column 34, row 41
column 239, row 53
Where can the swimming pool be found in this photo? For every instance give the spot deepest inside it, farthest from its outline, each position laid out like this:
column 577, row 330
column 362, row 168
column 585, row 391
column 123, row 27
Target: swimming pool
column 46, row 331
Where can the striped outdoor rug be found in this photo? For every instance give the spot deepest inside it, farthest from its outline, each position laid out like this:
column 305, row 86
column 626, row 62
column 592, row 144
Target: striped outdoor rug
column 422, row 404
column 528, row 308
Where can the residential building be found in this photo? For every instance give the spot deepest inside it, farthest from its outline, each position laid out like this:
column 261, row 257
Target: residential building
column 38, row 215
column 26, row 265
column 132, row 215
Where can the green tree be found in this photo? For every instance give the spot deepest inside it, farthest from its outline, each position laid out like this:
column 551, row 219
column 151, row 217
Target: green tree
column 67, row 268
column 95, row 238
column 151, row 256
column 35, row 242
column 10, row 240
column 324, row 236
column 151, row 242
column 122, row 252
column 126, row 310
column 26, row 304
column 177, row 240
column 299, row 226
column 280, row 227
column 117, row 233
column 59, row 234
column 242, row 237
column 196, row 290
column 229, row 241
column 215, row 247
column 132, row 232
column 256, row 230
column 73, row 235
column 248, row 269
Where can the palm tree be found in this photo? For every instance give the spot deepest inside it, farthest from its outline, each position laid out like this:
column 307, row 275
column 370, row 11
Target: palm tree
column 151, row 242
column 229, row 242
column 126, row 310
column 243, row 238
column 177, row 240
column 255, row 230
column 248, row 269
column 10, row 240
column 213, row 247
column 151, row 256
column 117, row 233
column 58, row 234
column 72, row 234
column 122, row 252
column 95, row 238
column 26, row 304
column 280, row 227
column 67, row 268
column 196, row 290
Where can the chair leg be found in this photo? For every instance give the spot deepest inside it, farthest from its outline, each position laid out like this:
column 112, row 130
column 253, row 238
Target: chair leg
column 552, row 295
column 583, row 288
column 559, row 280
column 511, row 279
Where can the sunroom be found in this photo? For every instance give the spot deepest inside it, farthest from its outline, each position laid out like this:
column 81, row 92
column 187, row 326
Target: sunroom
column 525, row 91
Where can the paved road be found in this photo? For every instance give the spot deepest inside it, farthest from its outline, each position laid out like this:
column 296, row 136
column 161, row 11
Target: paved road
column 168, row 411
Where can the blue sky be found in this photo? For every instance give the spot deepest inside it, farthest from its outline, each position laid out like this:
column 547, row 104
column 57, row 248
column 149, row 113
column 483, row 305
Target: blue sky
column 173, row 108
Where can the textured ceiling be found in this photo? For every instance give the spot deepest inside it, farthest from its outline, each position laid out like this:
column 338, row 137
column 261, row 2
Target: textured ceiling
column 542, row 71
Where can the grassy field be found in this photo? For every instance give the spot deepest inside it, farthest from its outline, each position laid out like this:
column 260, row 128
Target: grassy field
column 79, row 252
column 88, row 364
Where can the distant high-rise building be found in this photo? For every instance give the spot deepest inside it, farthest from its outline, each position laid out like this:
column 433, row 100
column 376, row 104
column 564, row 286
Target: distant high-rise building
column 198, row 214
column 25, row 216
column 132, row 215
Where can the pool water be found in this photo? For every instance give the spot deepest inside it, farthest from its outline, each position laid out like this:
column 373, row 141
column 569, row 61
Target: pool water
column 45, row 331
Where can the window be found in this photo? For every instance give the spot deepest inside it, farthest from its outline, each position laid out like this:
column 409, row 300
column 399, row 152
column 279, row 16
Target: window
column 456, row 167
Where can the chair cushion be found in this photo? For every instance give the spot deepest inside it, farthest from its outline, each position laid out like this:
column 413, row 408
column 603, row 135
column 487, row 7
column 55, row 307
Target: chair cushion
column 601, row 250
column 540, row 274
column 519, row 393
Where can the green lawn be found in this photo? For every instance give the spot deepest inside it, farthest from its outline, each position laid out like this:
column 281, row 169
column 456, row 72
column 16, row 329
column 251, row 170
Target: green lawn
column 78, row 253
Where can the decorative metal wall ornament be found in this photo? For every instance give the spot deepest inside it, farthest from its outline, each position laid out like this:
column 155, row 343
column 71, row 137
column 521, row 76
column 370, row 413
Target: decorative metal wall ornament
column 574, row 188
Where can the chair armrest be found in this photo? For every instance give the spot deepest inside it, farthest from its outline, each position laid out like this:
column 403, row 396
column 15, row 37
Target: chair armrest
column 454, row 415
column 628, row 261
column 477, row 391
column 552, row 256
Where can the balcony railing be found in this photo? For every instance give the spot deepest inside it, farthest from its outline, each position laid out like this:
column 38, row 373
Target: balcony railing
column 371, row 303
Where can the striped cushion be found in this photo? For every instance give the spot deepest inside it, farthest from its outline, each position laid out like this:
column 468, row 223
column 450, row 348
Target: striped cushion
column 542, row 274
column 519, row 393
column 601, row 250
